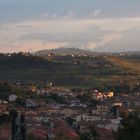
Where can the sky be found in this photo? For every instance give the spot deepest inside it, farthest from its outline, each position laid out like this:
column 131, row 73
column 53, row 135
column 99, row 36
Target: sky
column 97, row 25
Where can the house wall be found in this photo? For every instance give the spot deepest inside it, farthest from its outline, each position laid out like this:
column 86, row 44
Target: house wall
column 68, row 112
column 88, row 118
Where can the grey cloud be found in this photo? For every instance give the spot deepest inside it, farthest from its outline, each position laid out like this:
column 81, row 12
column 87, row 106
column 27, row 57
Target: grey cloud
column 90, row 35
column 24, row 26
column 129, row 42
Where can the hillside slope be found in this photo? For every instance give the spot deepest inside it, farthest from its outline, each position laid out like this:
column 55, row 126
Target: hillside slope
column 68, row 71
column 65, row 51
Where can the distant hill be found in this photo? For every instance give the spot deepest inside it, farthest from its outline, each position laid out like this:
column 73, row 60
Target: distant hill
column 77, row 51
column 66, row 51
column 132, row 53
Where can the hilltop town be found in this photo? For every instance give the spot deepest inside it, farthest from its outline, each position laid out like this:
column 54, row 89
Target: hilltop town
column 69, row 70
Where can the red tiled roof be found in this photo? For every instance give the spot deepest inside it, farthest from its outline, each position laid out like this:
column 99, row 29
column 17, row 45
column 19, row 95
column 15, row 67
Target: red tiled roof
column 5, row 132
column 105, row 134
column 39, row 132
column 31, row 114
column 71, row 133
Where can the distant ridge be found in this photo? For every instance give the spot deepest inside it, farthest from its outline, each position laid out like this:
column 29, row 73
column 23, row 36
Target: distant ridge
column 77, row 51
column 66, row 51
column 132, row 53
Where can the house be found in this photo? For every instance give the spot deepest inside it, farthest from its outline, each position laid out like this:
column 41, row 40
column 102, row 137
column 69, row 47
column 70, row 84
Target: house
column 94, row 111
column 118, row 103
column 68, row 111
column 52, row 110
column 37, row 132
column 110, row 122
column 51, row 134
column 30, row 103
column 41, row 91
column 77, row 105
column 32, row 88
column 12, row 98
column 108, row 125
column 87, row 117
column 63, row 131
column 136, row 102
column 38, row 92
column 32, row 118
column 102, row 107
column 112, row 118
column 84, row 126
column 44, row 118
column 105, row 134
column 33, row 122
column 97, row 95
column 110, row 94
column 31, row 114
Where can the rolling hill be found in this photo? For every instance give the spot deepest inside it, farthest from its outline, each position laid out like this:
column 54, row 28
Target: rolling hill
column 66, row 51
column 77, row 51
column 67, row 71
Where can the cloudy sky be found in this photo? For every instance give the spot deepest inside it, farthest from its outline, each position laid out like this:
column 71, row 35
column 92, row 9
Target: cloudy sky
column 99, row 25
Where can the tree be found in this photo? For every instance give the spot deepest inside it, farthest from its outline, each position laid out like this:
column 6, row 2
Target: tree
column 83, row 137
column 94, row 133
column 20, row 101
column 130, row 128
column 4, row 118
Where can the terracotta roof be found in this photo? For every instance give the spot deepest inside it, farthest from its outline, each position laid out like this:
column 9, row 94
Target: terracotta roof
column 105, row 134
column 70, row 132
column 31, row 114
column 5, row 131
column 38, row 132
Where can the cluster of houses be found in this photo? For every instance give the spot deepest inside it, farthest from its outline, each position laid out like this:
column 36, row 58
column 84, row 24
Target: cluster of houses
column 53, row 120
column 104, row 116
column 42, row 125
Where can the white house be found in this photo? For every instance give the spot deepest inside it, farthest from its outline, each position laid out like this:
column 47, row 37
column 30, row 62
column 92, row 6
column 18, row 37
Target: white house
column 30, row 103
column 51, row 135
column 109, row 125
column 12, row 98
column 87, row 117
column 68, row 111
